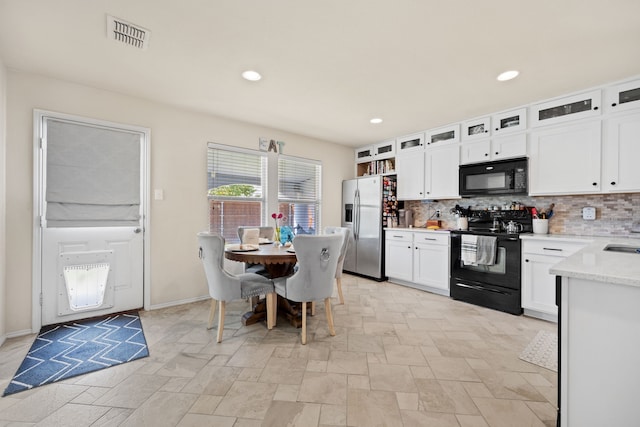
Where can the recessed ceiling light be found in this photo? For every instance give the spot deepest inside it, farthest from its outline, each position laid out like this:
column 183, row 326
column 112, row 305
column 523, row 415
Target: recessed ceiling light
column 508, row 75
column 375, row 120
column 251, row 75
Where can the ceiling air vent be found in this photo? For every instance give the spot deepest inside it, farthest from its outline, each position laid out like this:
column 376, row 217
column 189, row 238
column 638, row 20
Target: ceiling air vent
column 127, row 33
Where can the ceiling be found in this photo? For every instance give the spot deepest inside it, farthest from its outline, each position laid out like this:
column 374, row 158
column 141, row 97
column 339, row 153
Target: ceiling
column 329, row 66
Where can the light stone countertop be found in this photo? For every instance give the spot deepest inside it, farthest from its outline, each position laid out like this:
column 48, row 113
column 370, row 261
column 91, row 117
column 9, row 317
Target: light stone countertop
column 594, row 263
column 418, row 229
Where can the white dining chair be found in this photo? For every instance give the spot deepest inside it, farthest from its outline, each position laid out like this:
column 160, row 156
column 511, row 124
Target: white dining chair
column 262, row 233
column 343, row 252
column 317, row 257
column 224, row 286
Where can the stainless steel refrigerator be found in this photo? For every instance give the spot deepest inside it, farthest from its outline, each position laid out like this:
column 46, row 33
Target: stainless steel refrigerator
column 367, row 204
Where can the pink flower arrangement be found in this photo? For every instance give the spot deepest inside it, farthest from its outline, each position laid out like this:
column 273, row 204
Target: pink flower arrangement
column 276, row 217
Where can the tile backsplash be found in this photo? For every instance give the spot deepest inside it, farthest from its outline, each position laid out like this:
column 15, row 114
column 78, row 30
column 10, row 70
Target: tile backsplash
column 616, row 214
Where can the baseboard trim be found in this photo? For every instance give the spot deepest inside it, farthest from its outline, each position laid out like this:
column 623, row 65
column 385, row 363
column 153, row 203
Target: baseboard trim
column 179, row 302
column 17, row 334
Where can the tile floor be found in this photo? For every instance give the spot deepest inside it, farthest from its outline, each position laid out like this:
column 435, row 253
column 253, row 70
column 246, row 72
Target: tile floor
column 401, row 357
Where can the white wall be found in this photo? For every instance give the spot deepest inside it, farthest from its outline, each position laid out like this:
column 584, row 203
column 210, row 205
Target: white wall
column 178, row 166
column 3, row 276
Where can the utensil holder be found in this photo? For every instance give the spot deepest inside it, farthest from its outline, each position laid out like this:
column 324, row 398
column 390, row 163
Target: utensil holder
column 540, row 226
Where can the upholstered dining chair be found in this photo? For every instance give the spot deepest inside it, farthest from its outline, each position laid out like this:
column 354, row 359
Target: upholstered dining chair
column 263, row 233
column 343, row 252
column 317, row 257
column 224, row 286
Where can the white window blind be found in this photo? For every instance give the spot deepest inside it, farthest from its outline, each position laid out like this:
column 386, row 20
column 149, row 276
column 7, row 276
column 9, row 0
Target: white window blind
column 299, row 193
column 236, row 183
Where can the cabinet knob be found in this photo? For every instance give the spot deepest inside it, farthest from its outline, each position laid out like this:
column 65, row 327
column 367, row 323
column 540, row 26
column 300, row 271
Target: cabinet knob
column 497, row 153
column 497, row 129
column 486, row 154
column 526, row 260
column 613, row 183
column 614, row 104
column 595, row 108
column 594, row 184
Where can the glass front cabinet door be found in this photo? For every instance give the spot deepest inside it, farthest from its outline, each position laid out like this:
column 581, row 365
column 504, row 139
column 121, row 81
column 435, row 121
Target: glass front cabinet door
column 568, row 108
column 509, row 121
column 443, row 135
column 623, row 97
column 476, row 129
column 410, row 143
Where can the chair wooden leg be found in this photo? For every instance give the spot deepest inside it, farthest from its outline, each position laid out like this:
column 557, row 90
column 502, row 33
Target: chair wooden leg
column 221, row 320
column 212, row 313
column 270, row 308
column 313, row 308
column 339, row 285
column 304, row 323
column 327, row 309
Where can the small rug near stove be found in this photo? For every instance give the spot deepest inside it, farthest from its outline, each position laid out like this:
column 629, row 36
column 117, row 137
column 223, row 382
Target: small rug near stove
column 542, row 351
column 75, row 348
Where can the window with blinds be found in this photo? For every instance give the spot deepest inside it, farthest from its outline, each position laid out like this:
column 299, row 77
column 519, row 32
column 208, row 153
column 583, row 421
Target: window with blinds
column 236, row 183
column 299, row 193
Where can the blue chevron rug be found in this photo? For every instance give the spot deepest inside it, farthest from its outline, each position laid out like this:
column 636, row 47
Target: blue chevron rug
column 75, row 348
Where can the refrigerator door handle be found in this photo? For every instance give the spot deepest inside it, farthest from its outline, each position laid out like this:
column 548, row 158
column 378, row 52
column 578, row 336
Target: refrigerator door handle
column 356, row 211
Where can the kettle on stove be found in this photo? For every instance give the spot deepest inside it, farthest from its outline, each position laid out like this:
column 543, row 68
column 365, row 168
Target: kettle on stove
column 514, row 227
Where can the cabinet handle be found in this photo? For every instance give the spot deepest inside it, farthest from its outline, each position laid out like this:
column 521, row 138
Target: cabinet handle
column 614, row 104
column 399, row 237
column 595, row 108
column 613, row 183
column 552, row 249
column 594, row 184
column 429, row 238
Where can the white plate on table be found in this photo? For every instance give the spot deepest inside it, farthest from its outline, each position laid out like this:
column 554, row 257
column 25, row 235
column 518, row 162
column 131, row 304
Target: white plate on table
column 242, row 248
column 292, row 250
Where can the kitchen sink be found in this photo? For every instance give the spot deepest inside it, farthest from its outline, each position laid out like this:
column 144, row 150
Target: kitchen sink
column 623, row 248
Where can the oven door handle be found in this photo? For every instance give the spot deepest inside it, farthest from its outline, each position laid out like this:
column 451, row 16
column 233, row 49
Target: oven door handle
column 480, row 288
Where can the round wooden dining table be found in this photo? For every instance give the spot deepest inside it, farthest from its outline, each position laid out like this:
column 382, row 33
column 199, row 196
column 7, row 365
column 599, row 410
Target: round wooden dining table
column 278, row 261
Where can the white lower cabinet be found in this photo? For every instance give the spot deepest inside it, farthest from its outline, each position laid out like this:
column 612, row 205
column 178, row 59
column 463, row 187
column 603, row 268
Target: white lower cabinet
column 431, row 260
column 418, row 259
column 538, row 285
column 398, row 254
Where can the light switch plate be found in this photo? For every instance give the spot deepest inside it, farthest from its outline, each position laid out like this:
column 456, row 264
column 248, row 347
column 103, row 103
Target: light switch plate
column 589, row 212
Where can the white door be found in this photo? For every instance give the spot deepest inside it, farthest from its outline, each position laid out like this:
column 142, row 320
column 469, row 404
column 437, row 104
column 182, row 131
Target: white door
column 92, row 193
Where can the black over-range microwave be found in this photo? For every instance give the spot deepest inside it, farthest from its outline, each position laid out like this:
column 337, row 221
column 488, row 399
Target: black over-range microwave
column 494, row 178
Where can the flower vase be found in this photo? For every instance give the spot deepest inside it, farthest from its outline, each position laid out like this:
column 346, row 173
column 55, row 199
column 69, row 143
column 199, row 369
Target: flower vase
column 277, row 237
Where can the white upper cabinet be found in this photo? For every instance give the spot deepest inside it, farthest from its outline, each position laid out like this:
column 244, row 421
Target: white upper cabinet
column 410, row 143
column 443, row 135
column 476, row 129
column 565, row 159
column 621, row 152
column 364, row 154
column 497, row 148
column 568, row 108
column 441, row 172
column 509, row 121
column 410, row 176
column 385, row 149
column 623, row 97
